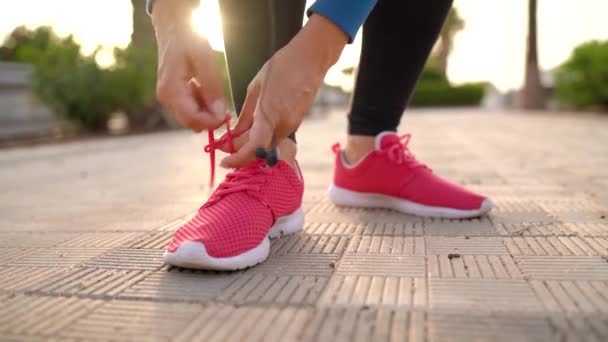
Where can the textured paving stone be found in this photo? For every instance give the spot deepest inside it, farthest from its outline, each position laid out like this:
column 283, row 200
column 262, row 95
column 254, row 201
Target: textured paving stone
column 228, row 323
column 309, row 244
column 178, row 285
column 536, row 229
column 573, row 296
column 375, row 290
column 387, row 245
column 493, row 327
column 255, row 288
column 298, row 264
column 509, row 212
column 579, row 327
column 133, row 320
column 572, row 267
column 473, row 266
column 33, row 239
column 466, row 245
column 91, row 282
column 85, row 263
column 557, row 245
column 381, row 265
column 59, row 257
column 104, row 240
column 40, row 316
column 445, row 227
column 123, row 258
column 363, row 325
column 379, row 229
column 20, row 279
column 482, row 295
column 11, row 253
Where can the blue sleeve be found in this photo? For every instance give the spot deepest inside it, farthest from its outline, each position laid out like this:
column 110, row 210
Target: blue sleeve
column 349, row 15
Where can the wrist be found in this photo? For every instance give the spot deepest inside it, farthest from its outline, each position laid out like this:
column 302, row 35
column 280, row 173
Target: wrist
column 326, row 38
column 172, row 13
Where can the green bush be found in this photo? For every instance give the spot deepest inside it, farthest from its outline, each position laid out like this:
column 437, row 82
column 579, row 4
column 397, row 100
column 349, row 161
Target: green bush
column 582, row 81
column 434, row 94
column 71, row 84
column 76, row 88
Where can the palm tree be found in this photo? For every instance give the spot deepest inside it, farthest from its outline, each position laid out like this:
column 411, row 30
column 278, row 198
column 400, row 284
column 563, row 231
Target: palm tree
column 452, row 25
column 532, row 95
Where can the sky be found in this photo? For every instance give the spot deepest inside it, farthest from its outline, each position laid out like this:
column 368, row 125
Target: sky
column 490, row 48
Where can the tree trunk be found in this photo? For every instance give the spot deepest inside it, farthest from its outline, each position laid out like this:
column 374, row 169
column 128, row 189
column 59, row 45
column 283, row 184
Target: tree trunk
column 443, row 52
column 533, row 93
column 143, row 32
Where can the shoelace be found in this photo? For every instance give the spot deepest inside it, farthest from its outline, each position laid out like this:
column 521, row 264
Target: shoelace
column 215, row 144
column 400, row 153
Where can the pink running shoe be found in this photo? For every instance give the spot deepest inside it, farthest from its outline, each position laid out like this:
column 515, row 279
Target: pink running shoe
column 232, row 230
column 390, row 177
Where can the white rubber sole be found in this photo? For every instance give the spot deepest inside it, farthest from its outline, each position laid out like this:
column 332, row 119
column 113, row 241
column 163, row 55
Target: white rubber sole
column 343, row 197
column 194, row 255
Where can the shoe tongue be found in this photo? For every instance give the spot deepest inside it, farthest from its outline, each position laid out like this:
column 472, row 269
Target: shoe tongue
column 386, row 139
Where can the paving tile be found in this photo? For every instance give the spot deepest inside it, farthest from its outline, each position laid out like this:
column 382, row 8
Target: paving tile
column 8, row 254
column 91, row 282
column 395, row 245
column 467, row 326
column 471, row 227
column 473, row 266
column 58, row 257
column 309, row 244
column 125, row 320
column 322, row 265
column 363, row 324
column 229, row 323
column 557, row 246
column 535, row 229
column 326, row 212
column 101, row 240
column 482, row 295
column 375, row 291
column 589, row 229
column 27, row 315
column 572, row 297
column 466, row 245
column 381, row 265
column 30, row 240
column 129, row 258
column 158, row 240
column 23, row 279
column 509, row 212
column 580, row 327
column 381, row 229
column 180, row 285
column 255, row 288
column 563, row 268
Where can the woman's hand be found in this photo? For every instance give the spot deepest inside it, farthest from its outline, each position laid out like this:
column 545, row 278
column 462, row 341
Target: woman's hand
column 186, row 69
column 282, row 92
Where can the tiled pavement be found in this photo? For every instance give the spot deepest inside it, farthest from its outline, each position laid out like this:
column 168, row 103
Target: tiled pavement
column 83, row 227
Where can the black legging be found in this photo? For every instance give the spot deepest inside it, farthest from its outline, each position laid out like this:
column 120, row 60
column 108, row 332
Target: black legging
column 397, row 39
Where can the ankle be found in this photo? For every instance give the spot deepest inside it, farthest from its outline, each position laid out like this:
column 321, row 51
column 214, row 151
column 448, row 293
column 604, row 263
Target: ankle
column 357, row 147
column 287, row 151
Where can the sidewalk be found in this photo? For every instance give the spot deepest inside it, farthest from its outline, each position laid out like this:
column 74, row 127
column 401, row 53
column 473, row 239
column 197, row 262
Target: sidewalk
column 83, row 227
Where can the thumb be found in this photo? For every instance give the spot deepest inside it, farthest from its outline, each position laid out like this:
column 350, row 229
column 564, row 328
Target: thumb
column 260, row 135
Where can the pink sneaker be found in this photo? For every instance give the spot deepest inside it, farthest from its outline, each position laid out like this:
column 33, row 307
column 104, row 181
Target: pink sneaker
column 390, row 177
column 232, row 230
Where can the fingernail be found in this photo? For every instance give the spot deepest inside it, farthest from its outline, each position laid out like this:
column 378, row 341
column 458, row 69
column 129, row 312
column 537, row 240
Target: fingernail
column 218, row 108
